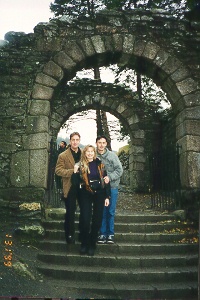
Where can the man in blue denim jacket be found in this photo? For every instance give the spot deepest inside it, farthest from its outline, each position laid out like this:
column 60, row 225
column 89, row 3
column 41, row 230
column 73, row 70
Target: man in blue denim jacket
column 114, row 172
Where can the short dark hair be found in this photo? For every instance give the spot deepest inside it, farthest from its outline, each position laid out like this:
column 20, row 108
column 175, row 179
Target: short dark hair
column 101, row 137
column 74, row 133
column 64, row 143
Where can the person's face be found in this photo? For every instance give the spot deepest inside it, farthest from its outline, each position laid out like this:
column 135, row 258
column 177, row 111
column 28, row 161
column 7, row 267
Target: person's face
column 101, row 145
column 74, row 142
column 89, row 154
column 62, row 145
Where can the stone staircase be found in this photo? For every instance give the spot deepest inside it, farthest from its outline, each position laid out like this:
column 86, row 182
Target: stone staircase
column 149, row 260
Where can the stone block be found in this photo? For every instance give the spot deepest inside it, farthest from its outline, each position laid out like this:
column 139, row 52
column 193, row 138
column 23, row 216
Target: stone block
column 63, row 60
column 187, row 86
column 98, row 44
column 20, row 169
column 192, row 99
column 190, row 143
column 133, row 119
column 180, row 74
column 121, row 108
column 139, row 134
column 36, row 141
column 39, row 107
column 139, row 47
column 188, row 127
column 36, row 124
column 192, row 113
column 161, row 58
column 190, row 170
column 118, row 42
column 38, row 168
column 42, row 92
column 8, row 147
column 151, row 50
column 171, row 65
column 53, row 70
column 128, row 43
column 46, row 80
column 87, row 46
column 108, row 42
column 73, row 50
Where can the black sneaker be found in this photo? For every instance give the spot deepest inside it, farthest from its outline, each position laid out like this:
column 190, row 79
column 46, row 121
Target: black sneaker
column 101, row 239
column 110, row 239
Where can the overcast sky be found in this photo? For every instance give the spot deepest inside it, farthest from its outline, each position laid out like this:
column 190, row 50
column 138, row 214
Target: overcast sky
column 24, row 15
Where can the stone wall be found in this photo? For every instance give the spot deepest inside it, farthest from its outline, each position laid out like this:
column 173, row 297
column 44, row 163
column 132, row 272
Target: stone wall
column 34, row 69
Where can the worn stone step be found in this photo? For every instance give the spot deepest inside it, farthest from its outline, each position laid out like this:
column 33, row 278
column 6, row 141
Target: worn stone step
column 106, row 274
column 123, row 248
column 132, row 237
column 119, row 261
column 130, row 227
column 59, row 214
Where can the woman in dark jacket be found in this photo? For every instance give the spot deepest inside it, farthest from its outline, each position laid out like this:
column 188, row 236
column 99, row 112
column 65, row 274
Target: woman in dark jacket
column 94, row 194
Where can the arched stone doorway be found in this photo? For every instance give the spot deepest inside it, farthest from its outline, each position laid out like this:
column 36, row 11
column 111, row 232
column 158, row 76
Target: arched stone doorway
column 146, row 57
column 63, row 49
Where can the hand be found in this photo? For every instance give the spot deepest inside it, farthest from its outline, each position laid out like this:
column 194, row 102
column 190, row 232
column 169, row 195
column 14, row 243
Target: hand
column 76, row 167
column 107, row 202
column 106, row 179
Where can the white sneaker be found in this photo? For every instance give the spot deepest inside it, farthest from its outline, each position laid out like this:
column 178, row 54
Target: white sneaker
column 101, row 239
column 110, row 239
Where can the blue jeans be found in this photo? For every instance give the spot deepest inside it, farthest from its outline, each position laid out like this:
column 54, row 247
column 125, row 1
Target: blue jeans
column 107, row 227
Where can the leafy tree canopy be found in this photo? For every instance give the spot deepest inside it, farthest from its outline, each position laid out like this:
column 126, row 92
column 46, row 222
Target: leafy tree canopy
column 88, row 8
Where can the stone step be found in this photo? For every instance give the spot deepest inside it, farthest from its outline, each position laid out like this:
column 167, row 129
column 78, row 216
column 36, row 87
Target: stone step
column 119, row 261
column 149, row 259
column 59, row 214
column 131, row 237
column 124, row 248
column 178, row 290
column 105, row 274
column 130, row 227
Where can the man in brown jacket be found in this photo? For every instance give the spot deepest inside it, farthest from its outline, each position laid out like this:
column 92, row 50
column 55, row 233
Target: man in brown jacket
column 65, row 168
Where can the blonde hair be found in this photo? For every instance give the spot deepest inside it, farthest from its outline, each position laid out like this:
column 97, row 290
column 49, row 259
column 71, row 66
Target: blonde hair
column 84, row 161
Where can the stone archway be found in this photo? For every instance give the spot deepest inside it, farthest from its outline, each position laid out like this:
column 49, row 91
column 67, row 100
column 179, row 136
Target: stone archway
column 120, row 102
column 165, row 69
column 149, row 42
